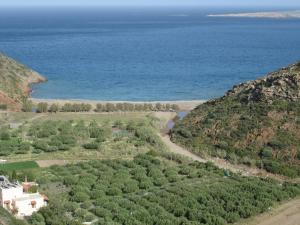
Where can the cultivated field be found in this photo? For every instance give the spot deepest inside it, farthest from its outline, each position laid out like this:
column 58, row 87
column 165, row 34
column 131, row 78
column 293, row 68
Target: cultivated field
column 76, row 136
column 118, row 162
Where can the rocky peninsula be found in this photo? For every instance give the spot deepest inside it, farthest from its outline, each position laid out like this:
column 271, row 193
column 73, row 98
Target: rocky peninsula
column 15, row 82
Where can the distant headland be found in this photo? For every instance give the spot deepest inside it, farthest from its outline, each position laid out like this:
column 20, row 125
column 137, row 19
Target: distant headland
column 15, row 83
column 278, row 15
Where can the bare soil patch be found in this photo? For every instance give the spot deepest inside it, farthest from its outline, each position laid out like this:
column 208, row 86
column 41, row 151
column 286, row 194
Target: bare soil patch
column 48, row 163
column 285, row 214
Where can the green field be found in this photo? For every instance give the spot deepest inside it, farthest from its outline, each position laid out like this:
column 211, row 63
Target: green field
column 19, row 166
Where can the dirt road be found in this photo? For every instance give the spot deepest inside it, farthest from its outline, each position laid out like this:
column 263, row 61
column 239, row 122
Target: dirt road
column 285, row 214
column 221, row 163
column 179, row 150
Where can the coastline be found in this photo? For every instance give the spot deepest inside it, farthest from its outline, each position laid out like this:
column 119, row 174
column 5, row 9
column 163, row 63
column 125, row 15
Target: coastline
column 273, row 15
column 183, row 104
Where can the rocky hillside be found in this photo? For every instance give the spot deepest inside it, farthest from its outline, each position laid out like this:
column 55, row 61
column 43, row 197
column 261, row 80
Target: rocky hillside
column 280, row 85
column 15, row 81
column 255, row 123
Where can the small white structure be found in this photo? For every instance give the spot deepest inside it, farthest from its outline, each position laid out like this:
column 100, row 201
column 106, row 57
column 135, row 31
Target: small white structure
column 14, row 199
column 2, row 161
column 15, row 125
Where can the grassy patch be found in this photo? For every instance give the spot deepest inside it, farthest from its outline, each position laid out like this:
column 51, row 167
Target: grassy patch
column 73, row 136
column 19, row 166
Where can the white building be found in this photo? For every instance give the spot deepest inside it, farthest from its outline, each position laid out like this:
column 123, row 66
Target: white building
column 2, row 161
column 14, row 199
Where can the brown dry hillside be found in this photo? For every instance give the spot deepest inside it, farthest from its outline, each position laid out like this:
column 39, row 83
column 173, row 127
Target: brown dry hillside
column 255, row 123
column 15, row 80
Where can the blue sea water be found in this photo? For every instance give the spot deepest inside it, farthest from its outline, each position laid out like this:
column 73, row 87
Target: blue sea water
column 142, row 54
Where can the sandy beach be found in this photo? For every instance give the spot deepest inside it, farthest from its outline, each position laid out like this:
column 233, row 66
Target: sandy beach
column 183, row 105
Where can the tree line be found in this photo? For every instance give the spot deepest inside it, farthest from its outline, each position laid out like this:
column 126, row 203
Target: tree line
column 44, row 107
column 110, row 107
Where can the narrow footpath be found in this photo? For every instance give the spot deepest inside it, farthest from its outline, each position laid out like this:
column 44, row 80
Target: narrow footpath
column 221, row 163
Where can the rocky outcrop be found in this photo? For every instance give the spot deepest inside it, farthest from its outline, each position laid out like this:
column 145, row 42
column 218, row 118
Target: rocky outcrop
column 282, row 84
column 15, row 82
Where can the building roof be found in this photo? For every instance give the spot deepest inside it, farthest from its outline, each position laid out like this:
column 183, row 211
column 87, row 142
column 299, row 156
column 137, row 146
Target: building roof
column 25, row 197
